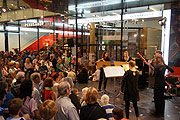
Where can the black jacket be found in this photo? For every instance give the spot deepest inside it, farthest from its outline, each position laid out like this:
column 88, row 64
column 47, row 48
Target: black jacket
column 75, row 101
column 92, row 112
column 130, row 86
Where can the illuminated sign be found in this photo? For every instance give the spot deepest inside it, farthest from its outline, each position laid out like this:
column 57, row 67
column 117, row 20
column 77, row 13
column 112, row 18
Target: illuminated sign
column 98, row 4
column 36, row 24
column 152, row 14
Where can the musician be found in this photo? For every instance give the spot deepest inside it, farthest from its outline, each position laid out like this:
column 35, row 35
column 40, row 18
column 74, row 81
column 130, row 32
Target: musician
column 130, row 88
column 126, row 57
column 104, row 58
column 159, row 86
column 157, row 52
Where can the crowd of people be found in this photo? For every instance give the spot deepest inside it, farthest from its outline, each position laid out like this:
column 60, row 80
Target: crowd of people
column 41, row 86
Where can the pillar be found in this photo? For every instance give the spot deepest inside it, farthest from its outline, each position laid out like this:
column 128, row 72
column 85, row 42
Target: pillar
column 92, row 38
column 92, row 48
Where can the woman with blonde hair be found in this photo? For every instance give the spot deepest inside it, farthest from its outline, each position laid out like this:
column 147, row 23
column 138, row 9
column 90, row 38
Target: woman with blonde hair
column 92, row 111
column 28, row 67
column 48, row 110
column 130, row 88
column 159, row 86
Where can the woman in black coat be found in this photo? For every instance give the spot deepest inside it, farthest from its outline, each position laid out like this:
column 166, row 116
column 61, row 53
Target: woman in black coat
column 159, row 86
column 130, row 88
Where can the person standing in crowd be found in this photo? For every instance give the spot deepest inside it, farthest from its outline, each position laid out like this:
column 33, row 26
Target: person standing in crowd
column 126, row 57
column 102, row 75
column 74, row 98
column 159, row 86
column 29, row 104
column 48, row 110
column 92, row 111
column 37, row 82
column 130, row 88
column 66, row 110
column 108, row 107
column 48, row 92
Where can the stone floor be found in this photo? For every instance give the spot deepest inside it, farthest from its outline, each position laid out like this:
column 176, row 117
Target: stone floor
column 146, row 106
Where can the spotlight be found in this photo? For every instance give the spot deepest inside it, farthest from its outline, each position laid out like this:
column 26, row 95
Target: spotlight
column 3, row 9
column 162, row 21
column 135, row 35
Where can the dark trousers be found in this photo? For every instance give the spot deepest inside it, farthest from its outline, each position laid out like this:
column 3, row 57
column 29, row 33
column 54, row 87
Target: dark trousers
column 102, row 78
column 159, row 99
column 127, row 104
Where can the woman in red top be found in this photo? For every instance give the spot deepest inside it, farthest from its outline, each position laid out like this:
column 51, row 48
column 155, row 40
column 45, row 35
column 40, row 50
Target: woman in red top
column 48, row 93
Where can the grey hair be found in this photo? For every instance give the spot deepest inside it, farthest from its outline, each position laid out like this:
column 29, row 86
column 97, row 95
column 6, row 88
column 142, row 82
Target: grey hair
column 19, row 75
column 105, row 99
column 63, row 86
column 69, row 80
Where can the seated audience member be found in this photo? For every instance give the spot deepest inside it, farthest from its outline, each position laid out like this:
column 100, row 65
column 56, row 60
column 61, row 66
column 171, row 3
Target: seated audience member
column 15, row 86
column 48, row 110
column 49, row 65
column 48, row 92
column 2, row 98
column 37, row 82
column 9, row 95
column 28, row 67
column 108, row 107
column 14, row 107
column 12, row 68
column 82, row 100
column 60, row 67
column 73, row 96
column 72, row 74
column 66, row 110
column 29, row 104
column 83, row 76
column 92, row 111
column 17, row 66
column 96, row 75
column 43, row 68
column 118, row 114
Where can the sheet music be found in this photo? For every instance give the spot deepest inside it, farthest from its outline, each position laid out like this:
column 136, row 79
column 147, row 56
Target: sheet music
column 115, row 71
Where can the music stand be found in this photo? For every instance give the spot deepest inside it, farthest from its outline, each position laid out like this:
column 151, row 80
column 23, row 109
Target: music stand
column 125, row 65
column 101, row 64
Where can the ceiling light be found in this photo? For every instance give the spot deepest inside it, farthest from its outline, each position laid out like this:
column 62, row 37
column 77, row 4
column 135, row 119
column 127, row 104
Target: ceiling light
column 3, row 9
column 42, row 16
column 135, row 35
column 12, row 4
column 142, row 35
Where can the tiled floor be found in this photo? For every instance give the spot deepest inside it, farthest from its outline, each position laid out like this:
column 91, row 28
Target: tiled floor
column 146, row 106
